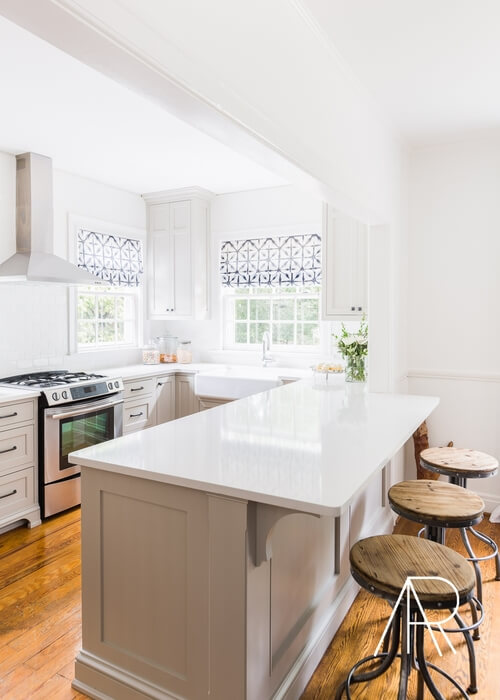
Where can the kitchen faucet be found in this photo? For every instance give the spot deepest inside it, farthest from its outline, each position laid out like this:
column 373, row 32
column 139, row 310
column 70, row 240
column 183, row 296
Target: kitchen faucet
column 267, row 358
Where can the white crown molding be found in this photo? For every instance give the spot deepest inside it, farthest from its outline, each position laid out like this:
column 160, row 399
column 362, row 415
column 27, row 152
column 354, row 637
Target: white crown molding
column 177, row 195
column 454, row 376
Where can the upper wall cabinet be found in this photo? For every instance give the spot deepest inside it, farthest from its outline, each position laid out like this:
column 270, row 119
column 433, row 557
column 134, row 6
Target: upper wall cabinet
column 345, row 266
column 178, row 223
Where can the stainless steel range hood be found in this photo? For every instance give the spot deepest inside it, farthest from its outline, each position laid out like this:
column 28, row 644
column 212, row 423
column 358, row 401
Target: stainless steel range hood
column 34, row 260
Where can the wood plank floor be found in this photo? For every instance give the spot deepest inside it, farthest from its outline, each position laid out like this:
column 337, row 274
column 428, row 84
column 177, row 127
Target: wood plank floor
column 362, row 627
column 40, row 609
column 40, row 622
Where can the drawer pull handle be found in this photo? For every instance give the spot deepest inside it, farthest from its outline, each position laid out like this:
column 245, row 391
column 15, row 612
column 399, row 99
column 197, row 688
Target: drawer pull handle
column 10, row 449
column 9, row 415
column 138, row 388
column 6, row 495
column 136, row 415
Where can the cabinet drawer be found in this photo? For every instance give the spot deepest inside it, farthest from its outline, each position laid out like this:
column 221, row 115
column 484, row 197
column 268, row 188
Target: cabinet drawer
column 16, row 448
column 17, row 492
column 139, row 387
column 137, row 415
column 16, row 413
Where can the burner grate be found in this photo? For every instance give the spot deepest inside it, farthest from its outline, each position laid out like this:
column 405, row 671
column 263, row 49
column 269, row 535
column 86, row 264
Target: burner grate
column 47, row 379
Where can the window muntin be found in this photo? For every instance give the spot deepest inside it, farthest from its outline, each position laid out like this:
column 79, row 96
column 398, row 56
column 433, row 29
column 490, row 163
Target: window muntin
column 106, row 317
column 290, row 314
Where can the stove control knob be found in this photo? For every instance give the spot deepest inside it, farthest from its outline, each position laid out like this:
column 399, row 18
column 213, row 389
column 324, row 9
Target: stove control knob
column 110, row 386
column 64, row 394
column 55, row 395
column 117, row 384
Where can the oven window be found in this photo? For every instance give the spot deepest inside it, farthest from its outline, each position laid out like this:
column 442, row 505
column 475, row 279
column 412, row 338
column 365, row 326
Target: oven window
column 85, row 430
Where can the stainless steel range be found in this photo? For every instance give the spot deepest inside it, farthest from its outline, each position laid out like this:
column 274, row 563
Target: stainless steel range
column 76, row 410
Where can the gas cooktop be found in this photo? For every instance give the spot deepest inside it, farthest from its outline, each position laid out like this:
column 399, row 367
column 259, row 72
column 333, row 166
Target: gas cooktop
column 43, row 380
column 75, row 386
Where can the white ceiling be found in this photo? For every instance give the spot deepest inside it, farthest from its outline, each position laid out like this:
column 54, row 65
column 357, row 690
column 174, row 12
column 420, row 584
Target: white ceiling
column 433, row 65
column 90, row 125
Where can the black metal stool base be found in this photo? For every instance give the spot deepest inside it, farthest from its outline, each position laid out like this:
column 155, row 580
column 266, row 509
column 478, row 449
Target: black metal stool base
column 412, row 657
column 462, row 481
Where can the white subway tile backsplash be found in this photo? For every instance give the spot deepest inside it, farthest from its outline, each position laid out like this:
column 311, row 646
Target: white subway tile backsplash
column 34, row 326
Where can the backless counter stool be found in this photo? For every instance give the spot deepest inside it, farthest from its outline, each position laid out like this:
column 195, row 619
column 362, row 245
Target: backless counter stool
column 382, row 565
column 460, row 464
column 439, row 505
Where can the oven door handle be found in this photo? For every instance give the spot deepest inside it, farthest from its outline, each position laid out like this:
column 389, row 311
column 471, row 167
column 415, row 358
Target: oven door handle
column 89, row 409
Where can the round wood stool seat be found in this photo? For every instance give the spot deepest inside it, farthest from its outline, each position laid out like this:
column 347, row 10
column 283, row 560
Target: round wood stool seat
column 381, row 564
column 436, row 503
column 459, row 462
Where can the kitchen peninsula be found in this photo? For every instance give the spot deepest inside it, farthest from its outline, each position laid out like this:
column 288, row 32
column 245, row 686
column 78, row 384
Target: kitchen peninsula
column 215, row 547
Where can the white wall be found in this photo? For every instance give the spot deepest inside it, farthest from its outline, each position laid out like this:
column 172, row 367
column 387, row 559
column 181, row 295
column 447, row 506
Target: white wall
column 275, row 210
column 34, row 318
column 454, row 288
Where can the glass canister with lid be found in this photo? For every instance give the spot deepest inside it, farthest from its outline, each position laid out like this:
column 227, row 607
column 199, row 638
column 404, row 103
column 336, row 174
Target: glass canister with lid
column 167, row 344
column 150, row 353
column 184, row 352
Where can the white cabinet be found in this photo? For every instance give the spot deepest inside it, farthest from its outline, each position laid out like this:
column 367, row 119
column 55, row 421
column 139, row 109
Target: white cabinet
column 178, row 254
column 165, row 399
column 18, row 464
column 345, row 266
column 186, row 401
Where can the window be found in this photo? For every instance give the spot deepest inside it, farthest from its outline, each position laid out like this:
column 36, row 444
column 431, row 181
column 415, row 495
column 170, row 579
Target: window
column 108, row 315
column 290, row 314
column 272, row 284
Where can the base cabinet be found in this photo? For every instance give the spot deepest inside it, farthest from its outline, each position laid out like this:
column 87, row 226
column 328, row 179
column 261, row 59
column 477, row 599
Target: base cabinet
column 186, row 401
column 18, row 464
column 189, row 594
column 165, row 399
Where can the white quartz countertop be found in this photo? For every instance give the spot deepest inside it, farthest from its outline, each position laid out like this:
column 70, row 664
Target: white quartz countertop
column 137, row 371
column 303, row 446
column 8, row 395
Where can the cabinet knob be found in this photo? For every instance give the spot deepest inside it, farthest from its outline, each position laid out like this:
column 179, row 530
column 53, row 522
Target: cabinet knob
column 359, row 308
column 353, row 308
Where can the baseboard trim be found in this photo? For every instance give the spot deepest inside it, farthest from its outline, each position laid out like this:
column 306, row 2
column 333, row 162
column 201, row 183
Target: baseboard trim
column 491, row 500
column 91, row 671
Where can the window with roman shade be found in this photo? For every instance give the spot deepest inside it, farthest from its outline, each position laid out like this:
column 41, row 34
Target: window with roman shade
column 272, row 284
column 274, row 261
column 116, row 260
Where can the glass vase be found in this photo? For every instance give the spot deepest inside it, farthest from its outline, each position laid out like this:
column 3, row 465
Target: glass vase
column 355, row 369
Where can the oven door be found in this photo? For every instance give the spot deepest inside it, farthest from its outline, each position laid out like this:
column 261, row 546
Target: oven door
column 70, row 428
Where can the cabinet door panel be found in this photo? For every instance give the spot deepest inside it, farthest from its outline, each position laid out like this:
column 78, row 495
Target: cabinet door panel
column 180, row 270
column 162, row 279
column 186, row 401
column 344, row 266
column 165, row 399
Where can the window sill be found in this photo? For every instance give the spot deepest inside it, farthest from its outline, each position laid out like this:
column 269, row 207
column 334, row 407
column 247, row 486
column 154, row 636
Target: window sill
column 104, row 349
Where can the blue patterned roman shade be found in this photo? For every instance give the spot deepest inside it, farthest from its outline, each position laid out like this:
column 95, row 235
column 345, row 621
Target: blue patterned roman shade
column 116, row 260
column 278, row 261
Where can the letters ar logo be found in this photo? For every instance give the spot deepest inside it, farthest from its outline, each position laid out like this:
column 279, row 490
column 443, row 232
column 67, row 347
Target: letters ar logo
column 410, row 592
